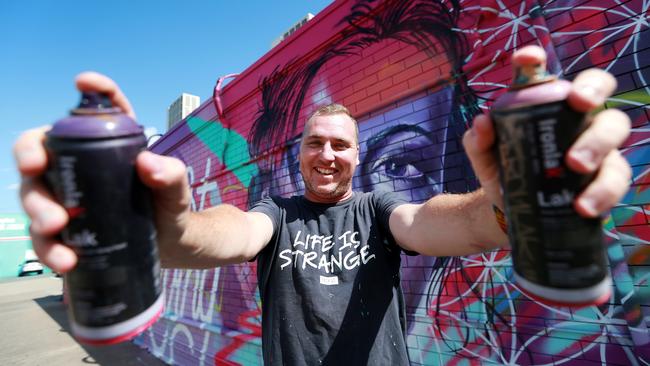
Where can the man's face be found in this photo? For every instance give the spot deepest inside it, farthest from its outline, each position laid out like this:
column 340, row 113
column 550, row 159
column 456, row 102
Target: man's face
column 329, row 154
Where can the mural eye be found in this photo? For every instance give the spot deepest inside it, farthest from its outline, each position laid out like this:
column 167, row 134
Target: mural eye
column 399, row 169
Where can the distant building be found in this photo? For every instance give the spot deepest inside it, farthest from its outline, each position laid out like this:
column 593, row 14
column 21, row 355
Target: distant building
column 292, row 30
column 181, row 108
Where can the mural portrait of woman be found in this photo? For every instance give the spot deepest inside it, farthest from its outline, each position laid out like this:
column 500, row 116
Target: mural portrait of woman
column 411, row 146
column 414, row 73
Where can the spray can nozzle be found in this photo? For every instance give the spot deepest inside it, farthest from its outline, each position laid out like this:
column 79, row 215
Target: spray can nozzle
column 93, row 103
column 530, row 71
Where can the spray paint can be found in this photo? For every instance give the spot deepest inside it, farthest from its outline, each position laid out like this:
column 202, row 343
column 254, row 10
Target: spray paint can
column 558, row 256
column 114, row 290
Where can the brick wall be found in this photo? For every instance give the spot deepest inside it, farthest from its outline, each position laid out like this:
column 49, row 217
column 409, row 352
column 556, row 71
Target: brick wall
column 414, row 73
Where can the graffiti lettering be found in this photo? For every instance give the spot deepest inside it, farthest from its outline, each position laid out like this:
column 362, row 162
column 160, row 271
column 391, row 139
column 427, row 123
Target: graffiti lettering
column 469, row 300
column 204, row 188
column 176, row 290
column 198, row 311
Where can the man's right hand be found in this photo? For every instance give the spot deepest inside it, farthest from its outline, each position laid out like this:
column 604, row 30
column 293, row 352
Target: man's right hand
column 164, row 175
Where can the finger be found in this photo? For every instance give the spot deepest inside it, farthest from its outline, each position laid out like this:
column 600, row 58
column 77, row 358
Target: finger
column 93, row 81
column 30, row 155
column 590, row 89
column 609, row 129
column 53, row 254
column 48, row 217
column 167, row 177
column 478, row 142
column 608, row 187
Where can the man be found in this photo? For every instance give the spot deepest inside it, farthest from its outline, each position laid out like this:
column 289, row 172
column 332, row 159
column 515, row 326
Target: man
column 328, row 261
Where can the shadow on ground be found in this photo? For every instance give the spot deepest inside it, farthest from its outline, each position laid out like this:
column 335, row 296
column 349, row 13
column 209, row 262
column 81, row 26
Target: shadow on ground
column 125, row 353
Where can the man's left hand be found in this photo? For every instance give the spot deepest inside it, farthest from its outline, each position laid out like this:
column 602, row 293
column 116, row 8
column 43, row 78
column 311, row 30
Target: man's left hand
column 595, row 150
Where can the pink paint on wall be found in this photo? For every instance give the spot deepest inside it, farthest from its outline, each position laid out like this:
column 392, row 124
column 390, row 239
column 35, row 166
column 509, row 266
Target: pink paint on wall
column 414, row 73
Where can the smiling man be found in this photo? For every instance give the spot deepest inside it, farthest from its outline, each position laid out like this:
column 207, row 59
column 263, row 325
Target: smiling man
column 332, row 249
column 329, row 260
column 329, row 154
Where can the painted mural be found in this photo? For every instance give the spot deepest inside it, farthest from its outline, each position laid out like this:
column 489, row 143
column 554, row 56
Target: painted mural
column 414, row 73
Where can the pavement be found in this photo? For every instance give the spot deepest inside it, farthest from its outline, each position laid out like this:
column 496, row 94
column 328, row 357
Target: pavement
column 34, row 330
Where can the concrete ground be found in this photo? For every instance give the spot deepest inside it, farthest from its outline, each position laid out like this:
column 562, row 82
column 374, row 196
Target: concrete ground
column 34, row 330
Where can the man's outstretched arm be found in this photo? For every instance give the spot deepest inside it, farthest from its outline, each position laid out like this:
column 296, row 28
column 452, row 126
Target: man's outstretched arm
column 465, row 223
column 206, row 239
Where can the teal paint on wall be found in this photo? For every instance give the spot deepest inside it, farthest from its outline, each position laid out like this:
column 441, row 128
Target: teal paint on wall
column 14, row 244
column 229, row 146
column 12, row 255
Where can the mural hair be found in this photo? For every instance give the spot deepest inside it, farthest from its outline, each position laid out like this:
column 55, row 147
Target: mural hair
column 428, row 25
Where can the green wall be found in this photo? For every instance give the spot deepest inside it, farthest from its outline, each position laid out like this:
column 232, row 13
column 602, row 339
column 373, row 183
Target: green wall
column 14, row 243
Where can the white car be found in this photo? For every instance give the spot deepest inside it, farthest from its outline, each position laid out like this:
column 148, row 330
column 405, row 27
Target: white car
column 30, row 266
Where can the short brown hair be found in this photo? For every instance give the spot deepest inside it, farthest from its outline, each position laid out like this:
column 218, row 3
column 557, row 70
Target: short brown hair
column 331, row 109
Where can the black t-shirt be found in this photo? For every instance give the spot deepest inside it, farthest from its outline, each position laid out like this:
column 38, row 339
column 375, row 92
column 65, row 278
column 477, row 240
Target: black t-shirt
column 330, row 283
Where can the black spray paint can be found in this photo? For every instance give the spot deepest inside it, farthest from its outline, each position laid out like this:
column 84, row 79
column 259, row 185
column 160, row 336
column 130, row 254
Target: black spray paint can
column 114, row 290
column 558, row 256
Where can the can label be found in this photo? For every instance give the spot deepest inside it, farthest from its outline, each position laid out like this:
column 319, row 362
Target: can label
column 111, row 229
column 552, row 245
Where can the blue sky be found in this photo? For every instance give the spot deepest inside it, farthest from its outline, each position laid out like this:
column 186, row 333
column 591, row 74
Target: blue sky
column 155, row 50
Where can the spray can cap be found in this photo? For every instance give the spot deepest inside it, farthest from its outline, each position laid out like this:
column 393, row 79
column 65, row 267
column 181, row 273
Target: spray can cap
column 95, row 117
column 530, row 71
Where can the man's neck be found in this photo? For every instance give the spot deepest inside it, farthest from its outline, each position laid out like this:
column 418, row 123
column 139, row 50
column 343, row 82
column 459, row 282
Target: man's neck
column 328, row 200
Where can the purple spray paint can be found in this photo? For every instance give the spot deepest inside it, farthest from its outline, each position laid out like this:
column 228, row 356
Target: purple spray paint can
column 114, row 290
column 558, row 256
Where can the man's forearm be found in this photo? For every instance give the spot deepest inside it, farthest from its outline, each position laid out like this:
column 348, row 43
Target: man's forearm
column 471, row 214
column 449, row 225
column 211, row 238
